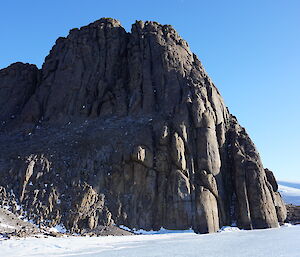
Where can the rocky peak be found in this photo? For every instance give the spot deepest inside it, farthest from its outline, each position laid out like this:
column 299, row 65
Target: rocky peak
column 108, row 22
column 101, row 24
column 128, row 128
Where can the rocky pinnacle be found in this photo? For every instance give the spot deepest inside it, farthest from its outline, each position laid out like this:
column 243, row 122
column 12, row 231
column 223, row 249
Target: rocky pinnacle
column 127, row 128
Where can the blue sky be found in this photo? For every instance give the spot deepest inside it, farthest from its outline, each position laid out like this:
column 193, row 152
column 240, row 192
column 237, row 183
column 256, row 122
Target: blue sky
column 251, row 50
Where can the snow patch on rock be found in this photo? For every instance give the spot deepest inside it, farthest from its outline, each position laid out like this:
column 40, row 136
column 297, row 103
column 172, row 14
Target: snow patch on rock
column 60, row 228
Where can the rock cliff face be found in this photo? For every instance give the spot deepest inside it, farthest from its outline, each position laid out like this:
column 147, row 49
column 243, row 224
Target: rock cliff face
column 128, row 128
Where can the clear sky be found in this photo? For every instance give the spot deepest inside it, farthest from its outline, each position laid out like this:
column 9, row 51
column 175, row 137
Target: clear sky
column 250, row 49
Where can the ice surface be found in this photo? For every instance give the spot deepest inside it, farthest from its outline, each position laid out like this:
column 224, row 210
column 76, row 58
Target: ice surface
column 290, row 192
column 279, row 242
column 293, row 184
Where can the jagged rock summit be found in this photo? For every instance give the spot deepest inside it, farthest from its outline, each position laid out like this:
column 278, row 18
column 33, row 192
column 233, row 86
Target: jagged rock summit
column 128, row 129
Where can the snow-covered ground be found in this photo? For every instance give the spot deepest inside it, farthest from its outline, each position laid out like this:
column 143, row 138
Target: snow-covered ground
column 290, row 192
column 230, row 242
column 281, row 242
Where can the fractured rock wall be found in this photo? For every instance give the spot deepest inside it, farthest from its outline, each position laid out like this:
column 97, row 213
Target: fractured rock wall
column 128, row 128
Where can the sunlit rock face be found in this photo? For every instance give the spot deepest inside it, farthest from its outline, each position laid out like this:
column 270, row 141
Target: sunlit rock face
column 127, row 128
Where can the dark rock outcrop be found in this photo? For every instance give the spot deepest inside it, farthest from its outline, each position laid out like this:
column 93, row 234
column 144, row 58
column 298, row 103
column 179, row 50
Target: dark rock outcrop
column 128, row 128
column 293, row 214
column 271, row 179
column 17, row 84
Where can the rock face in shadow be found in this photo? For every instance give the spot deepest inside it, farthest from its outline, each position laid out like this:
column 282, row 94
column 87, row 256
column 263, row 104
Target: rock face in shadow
column 127, row 128
column 17, row 84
